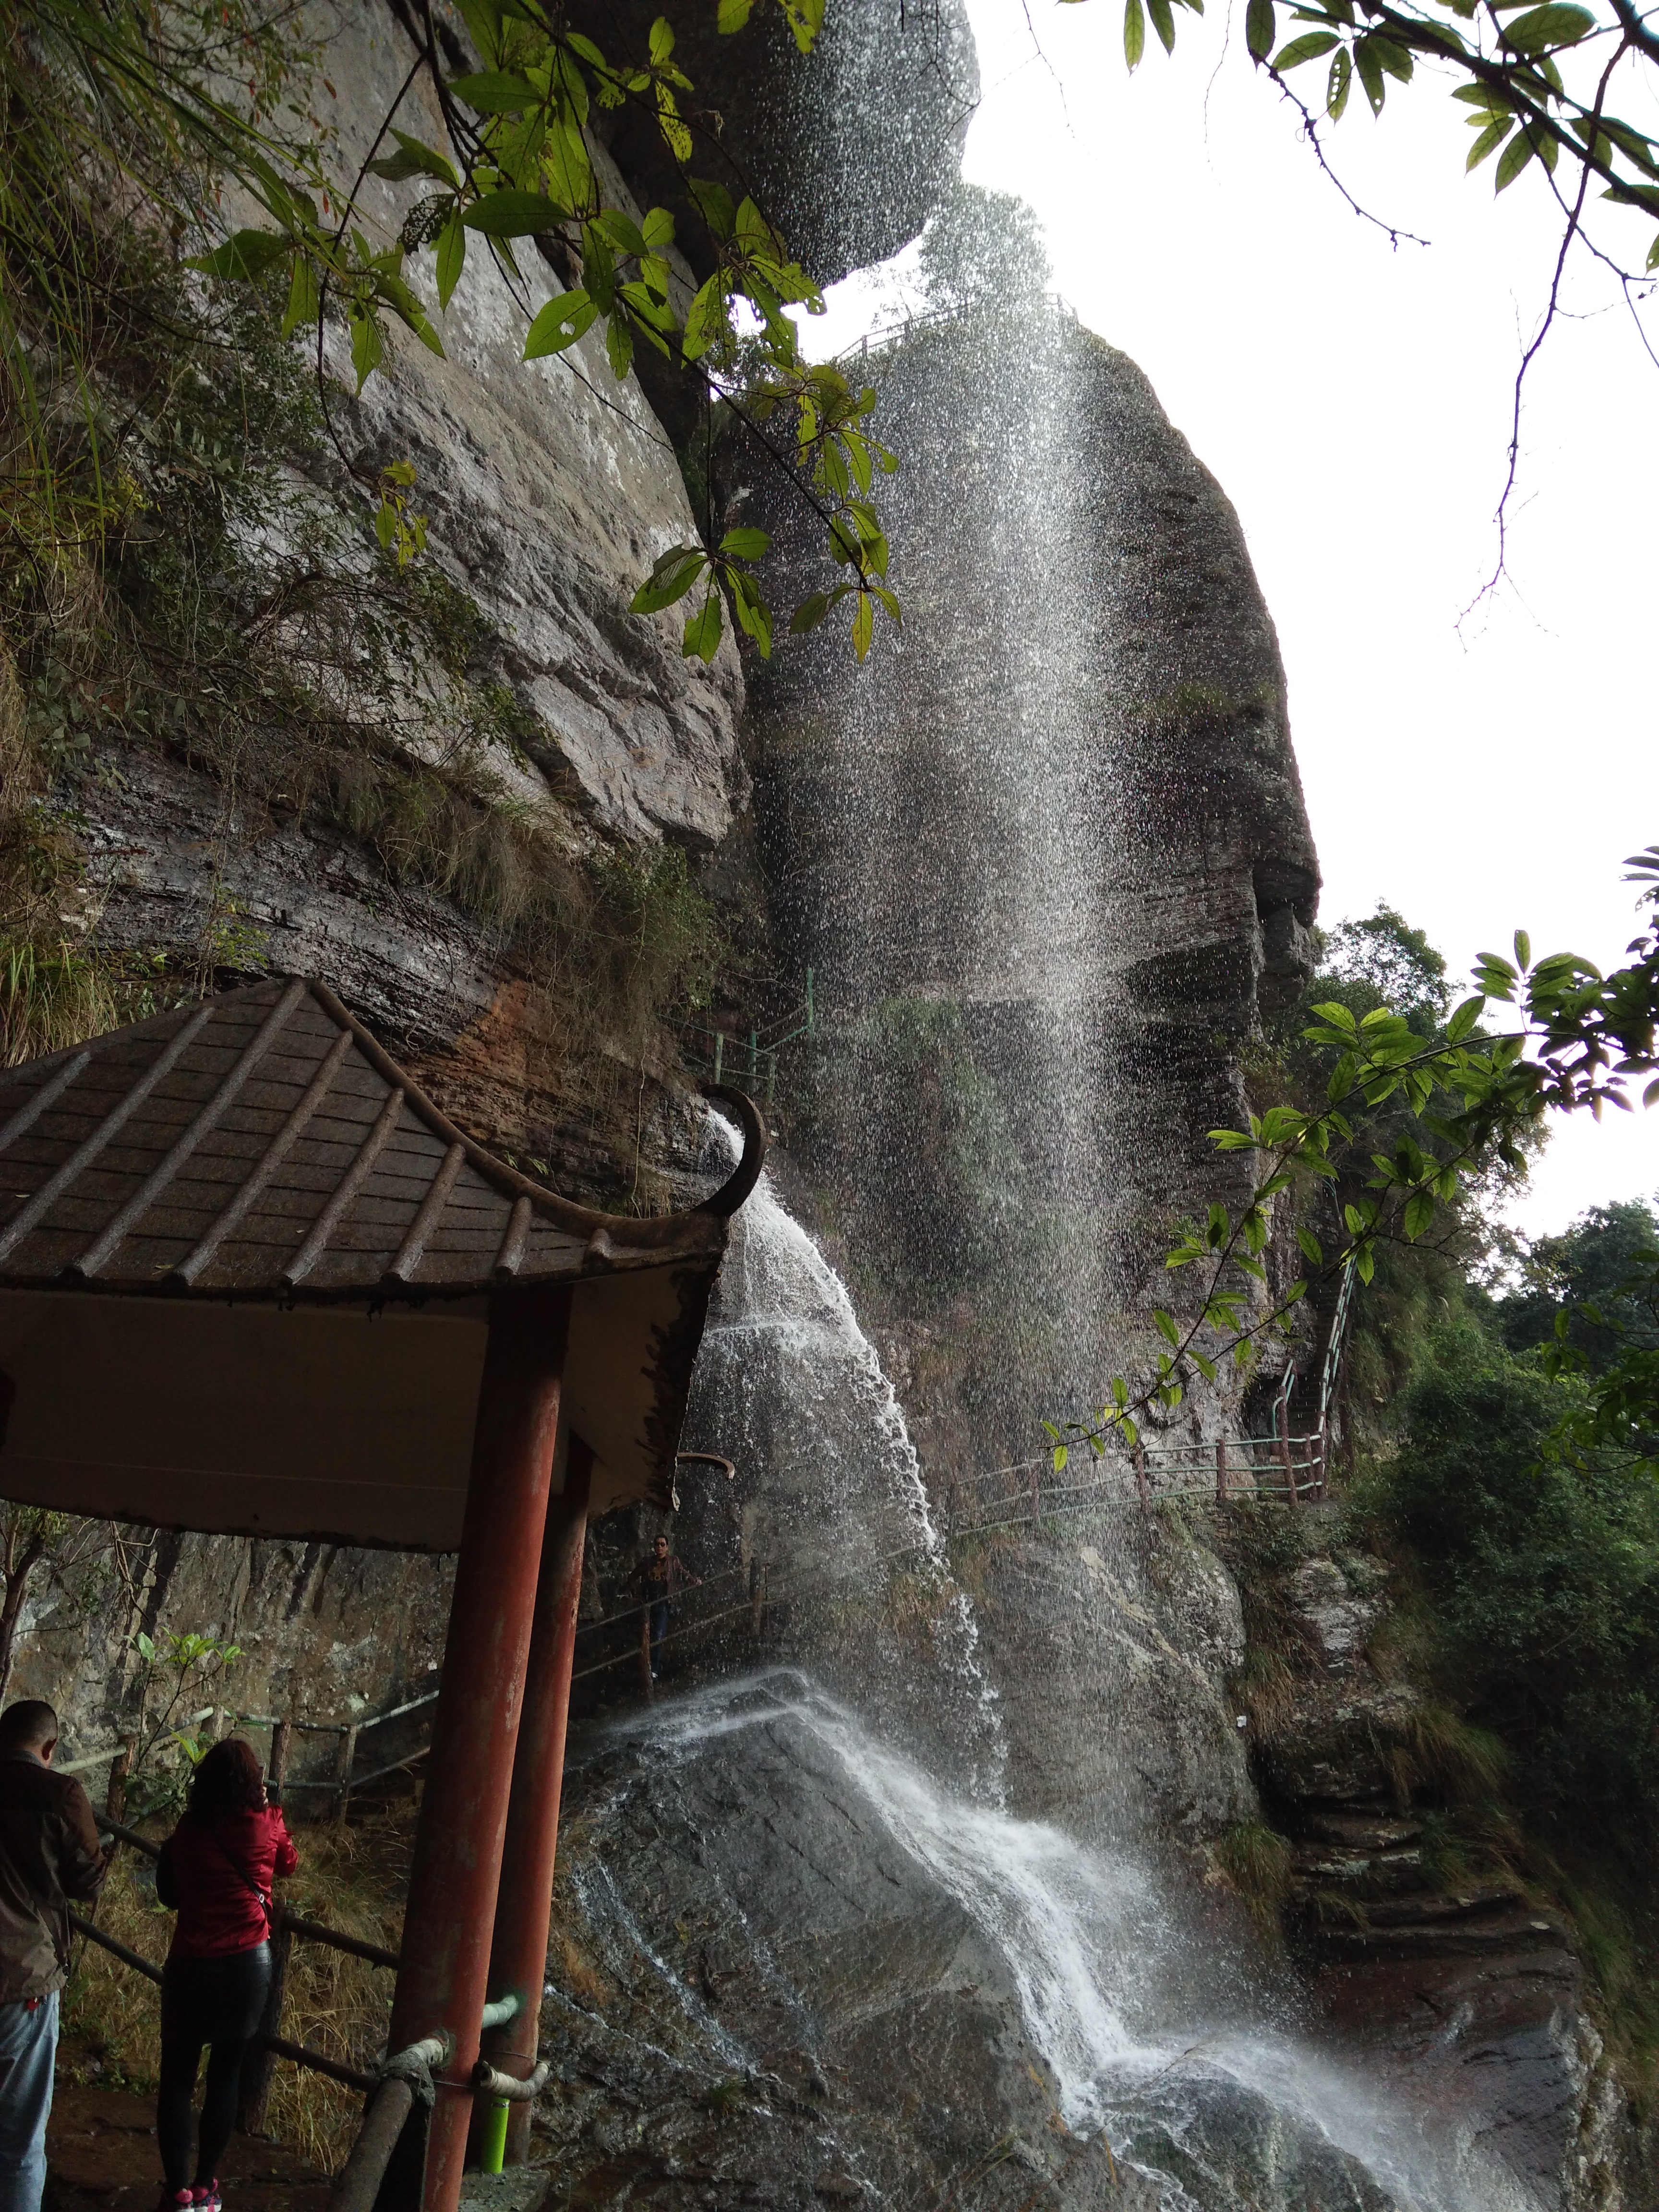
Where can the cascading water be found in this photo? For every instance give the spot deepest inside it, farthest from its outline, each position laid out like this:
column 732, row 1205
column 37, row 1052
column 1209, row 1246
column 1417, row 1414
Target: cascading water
column 1037, row 924
column 835, row 1519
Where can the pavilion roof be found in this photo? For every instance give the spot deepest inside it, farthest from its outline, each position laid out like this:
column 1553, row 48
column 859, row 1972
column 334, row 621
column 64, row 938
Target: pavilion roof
column 246, row 1273
column 261, row 1144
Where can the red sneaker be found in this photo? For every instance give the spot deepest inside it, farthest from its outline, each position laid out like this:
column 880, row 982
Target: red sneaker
column 207, row 2196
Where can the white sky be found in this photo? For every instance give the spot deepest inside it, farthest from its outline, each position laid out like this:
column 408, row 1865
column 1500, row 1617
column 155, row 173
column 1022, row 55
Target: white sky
column 1353, row 401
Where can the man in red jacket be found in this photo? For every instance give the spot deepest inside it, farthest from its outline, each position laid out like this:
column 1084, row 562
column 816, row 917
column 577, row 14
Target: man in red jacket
column 49, row 1854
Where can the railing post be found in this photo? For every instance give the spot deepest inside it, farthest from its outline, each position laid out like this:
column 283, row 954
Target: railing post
column 454, row 1883
column 1220, row 1471
column 1140, row 1479
column 1281, row 1446
column 518, row 1954
column 345, row 1759
column 115, row 1794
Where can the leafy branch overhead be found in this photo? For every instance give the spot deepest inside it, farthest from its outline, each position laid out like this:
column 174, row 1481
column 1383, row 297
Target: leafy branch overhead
column 1581, row 1040
column 1508, row 55
column 515, row 169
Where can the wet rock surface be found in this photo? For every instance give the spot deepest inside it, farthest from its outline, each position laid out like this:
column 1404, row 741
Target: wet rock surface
column 763, row 1993
column 1446, row 1971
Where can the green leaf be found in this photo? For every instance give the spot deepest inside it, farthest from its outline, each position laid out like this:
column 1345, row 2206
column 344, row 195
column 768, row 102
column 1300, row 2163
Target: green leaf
column 705, row 319
column 1522, row 951
column 745, row 544
column 1420, row 1211
column 452, row 256
column 244, row 254
column 1206, row 1367
column 1061, row 1452
column 303, row 302
column 514, row 214
column 1163, row 17
column 1134, row 32
column 414, row 158
column 1311, row 1249
column 566, row 167
column 1167, row 1327
column 752, row 612
column 1339, row 85
column 494, row 93
column 1489, row 141
column 619, row 344
column 1463, row 1019
column 559, row 324
column 367, row 347
column 1308, row 48
column 809, row 614
column 1260, row 28
column 1369, row 64
column 864, row 624
column 702, row 630
column 671, row 579
column 1540, row 28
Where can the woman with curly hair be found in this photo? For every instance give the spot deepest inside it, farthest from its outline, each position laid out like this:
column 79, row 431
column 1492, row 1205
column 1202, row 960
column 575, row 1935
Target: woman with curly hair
column 217, row 1870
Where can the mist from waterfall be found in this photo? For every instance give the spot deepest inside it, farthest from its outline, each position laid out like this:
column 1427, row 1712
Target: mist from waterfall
column 999, row 1116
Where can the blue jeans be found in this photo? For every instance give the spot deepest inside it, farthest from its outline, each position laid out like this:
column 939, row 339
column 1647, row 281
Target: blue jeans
column 28, row 2048
column 658, row 1629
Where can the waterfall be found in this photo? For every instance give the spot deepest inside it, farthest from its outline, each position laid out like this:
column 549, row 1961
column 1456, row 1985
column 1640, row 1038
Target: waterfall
column 836, row 1525
column 1204, row 2109
column 1026, row 869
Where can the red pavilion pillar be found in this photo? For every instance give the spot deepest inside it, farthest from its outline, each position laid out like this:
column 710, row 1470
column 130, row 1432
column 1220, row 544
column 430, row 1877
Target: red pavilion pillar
column 518, row 1959
column 458, row 1846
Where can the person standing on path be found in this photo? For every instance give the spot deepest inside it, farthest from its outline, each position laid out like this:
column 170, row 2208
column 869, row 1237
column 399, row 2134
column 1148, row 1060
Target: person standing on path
column 661, row 1578
column 49, row 1854
column 217, row 1870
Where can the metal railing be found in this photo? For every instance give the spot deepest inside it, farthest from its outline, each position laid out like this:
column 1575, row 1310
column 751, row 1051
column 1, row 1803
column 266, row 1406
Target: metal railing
column 726, row 1056
column 339, row 1784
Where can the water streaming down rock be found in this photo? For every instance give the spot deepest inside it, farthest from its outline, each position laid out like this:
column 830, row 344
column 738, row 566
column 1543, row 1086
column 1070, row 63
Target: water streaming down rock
column 835, row 1540
column 1046, row 856
column 873, row 1979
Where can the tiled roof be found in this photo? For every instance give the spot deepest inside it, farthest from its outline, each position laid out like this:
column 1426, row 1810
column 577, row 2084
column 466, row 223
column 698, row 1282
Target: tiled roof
column 260, row 1144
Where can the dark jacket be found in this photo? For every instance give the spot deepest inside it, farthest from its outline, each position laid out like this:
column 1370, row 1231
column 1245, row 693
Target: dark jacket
column 49, row 1854
column 656, row 1579
column 217, row 1876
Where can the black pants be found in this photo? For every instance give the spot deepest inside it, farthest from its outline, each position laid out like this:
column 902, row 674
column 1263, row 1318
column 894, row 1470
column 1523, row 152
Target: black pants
column 219, row 2002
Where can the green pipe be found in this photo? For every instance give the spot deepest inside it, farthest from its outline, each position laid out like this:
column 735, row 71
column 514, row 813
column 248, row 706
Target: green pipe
column 495, row 2135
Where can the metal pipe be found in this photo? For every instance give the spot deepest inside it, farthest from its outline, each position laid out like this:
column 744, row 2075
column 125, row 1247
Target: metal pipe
column 493, row 2135
column 358, row 2182
column 83, row 1926
column 303, row 2055
column 509, row 2088
column 314, row 1931
column 442, row 1980
column 501, row 2011
column 524, row 1903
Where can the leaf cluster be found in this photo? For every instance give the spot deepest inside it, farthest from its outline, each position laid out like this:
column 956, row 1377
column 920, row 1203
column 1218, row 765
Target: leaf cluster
column 516, row 168
column 1506, row 58
column 1578, row 1040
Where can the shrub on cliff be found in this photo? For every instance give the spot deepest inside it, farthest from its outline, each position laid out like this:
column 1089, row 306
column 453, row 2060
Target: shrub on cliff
column 1543, row 1574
